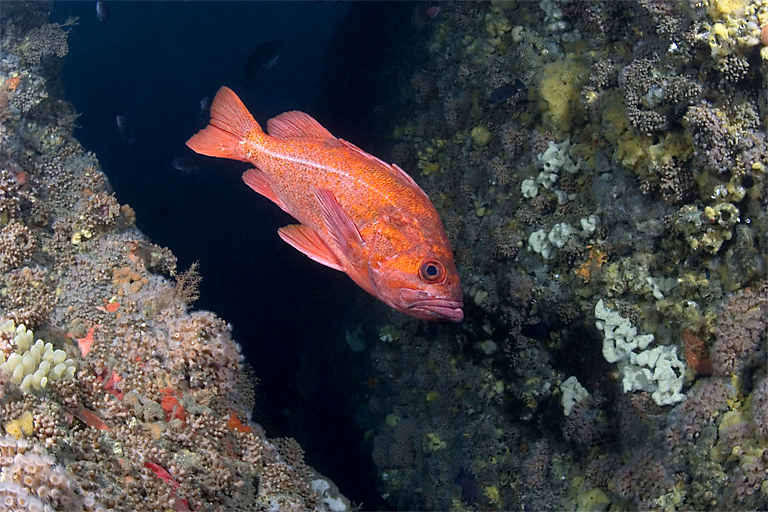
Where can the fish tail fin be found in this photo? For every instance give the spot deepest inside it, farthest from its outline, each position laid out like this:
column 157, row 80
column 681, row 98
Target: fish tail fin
column 231, row 124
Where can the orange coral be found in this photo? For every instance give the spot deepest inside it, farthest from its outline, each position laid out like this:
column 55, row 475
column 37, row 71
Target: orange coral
column 22, row 177
column 696, row 352
column 85, row 343
column 235, row 424
column 126, row 280
column 111, row 385
column 108, row 307
column 596, row 259
column 13, row 83
column 171, row 405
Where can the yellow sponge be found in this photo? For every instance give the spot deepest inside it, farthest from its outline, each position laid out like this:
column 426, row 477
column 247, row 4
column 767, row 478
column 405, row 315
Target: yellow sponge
column 560, row 87
column 24, row 425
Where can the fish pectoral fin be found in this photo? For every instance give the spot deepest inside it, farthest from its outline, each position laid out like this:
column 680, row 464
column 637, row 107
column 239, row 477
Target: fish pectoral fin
column 307, row 241
column 339, row 224
column 295, row 125
column 259, row 182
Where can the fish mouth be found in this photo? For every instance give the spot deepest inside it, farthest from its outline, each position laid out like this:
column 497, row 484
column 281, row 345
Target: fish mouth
column 437, row 309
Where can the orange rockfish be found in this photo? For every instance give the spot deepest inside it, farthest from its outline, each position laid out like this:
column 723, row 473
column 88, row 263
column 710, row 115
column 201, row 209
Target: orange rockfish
column 358, row 214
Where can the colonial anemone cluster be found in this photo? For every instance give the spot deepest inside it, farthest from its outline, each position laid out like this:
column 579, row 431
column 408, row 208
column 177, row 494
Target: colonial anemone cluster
column 33, row 365
column 32, row 481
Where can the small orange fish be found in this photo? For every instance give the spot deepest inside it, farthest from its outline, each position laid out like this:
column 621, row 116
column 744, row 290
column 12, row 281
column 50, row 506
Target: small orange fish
column 358, row 214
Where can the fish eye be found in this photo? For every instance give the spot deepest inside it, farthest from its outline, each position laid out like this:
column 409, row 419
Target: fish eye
column 432, row 271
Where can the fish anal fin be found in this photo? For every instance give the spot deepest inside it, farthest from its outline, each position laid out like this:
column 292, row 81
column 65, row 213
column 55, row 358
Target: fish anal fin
column 259, row 182
column 295, row 125
column 338, row 223
column 307, row 241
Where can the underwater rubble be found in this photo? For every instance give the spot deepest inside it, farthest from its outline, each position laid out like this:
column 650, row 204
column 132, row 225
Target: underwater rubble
column 600, row 168
column 114, row 394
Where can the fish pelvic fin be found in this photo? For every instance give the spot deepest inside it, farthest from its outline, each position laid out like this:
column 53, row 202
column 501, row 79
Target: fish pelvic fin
column 230, row 129
column 307, row 241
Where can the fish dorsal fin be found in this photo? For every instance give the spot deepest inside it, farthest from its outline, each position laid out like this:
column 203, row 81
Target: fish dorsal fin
column 339, row 224
column 393, row 167
column 296, row 125
column 259, row 182
column 308, row 242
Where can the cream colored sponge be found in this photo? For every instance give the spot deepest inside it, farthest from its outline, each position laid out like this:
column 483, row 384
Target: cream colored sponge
column 33, row 365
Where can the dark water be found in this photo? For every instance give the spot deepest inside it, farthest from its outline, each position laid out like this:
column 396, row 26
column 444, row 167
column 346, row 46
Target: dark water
column 153, row 63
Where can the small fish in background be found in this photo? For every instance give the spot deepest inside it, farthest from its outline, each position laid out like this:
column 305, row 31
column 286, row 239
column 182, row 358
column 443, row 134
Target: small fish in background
column 433, row 11
column 102, row 12
column 469, row 488
column 185, row 165
column 503, row 93
column 124, row 127
column 261, row 60
column 205, row 111
column 205, row 105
